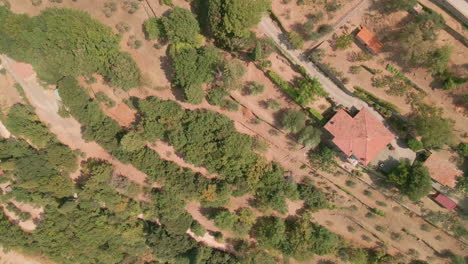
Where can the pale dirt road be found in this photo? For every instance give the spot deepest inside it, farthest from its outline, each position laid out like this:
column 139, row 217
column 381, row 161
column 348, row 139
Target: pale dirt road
column 12, row 257
column 335, row 93
column 68, row 130
column 4, row 131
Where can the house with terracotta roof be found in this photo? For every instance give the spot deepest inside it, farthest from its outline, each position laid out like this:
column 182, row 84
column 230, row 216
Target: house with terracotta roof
column 441, row 169
column 369, row 40
column 361, row 137
column 444, row 201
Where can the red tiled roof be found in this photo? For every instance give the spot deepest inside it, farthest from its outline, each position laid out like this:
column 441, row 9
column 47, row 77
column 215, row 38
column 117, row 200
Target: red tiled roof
column 370, row 40
column 441, row 169
column 445, row 201
column 1, row 172
column 362, row 136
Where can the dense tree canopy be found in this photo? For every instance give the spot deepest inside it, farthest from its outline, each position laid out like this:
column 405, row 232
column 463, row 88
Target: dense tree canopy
column 412, row 180
column 293, row 120
column 66, row 42
column 229, row 21
column 182, row 26
column 192, row 67
column 435, row 130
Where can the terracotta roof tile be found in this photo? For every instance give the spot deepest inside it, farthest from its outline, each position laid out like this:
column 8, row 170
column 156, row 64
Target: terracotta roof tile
column 370, row 39
column 362, row 136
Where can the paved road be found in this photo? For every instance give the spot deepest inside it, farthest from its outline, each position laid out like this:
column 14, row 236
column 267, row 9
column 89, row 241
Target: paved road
column 68, row 130
column 335, row 93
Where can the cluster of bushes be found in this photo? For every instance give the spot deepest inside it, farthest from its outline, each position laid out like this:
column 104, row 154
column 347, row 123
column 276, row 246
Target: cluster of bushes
column 104, row 222
column 228, row 22
column 66, row 42
column 303, row 90
column 23, row 122
column 400, row 75
column 96, row 125
column 383, row 107
column 412, row 180
column 418, row 43
column 210, row 140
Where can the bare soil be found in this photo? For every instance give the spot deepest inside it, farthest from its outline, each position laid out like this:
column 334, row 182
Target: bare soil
column 282, row 149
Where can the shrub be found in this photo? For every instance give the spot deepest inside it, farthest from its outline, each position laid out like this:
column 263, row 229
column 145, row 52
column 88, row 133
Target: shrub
column 154, row 28
column 396, row 236
column 123, row 27
column 293, row 120
column 254, row 88
column 344, row 41
column 377, row 211
column 367, row 193
column 198, row 229
column 380, row 228
column 425, row 227
column 272, row 104
column 380, row 203
column 355, row 69
column 415, row 145
column 325, row 29
column 296, row 40
column 181, row 25
column 109, row 8
column 131, row 6
column 350, row 183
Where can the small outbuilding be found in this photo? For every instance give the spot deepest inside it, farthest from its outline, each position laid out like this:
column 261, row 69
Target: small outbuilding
column 369, row 40
column 445, row 201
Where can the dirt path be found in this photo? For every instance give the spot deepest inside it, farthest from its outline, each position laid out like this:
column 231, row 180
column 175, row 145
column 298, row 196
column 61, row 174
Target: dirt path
column 13, row 257
column 4, row 131
column 68, row 130
column 335, row 93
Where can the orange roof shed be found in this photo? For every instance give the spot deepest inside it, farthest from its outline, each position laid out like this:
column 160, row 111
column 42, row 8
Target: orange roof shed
column 370, row 40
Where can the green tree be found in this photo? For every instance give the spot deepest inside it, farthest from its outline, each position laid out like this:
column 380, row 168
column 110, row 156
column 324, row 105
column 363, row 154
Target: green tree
column 133, row 141
column 257, row 53
column 307, row 90
column 296, row 40
column 313, row 198
column 413, row 181
column 323, row 158
column 310, row 136
column 439, row 59
column 66, row 42
column 225, row 219
column 270, row 232
column 435, row 130
column 182, row 26
column 344, row 41
column 233, row 18
column 415, row 145
column 419, row 184
column 154, row 29
column 22, row 121
column 293, row 120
